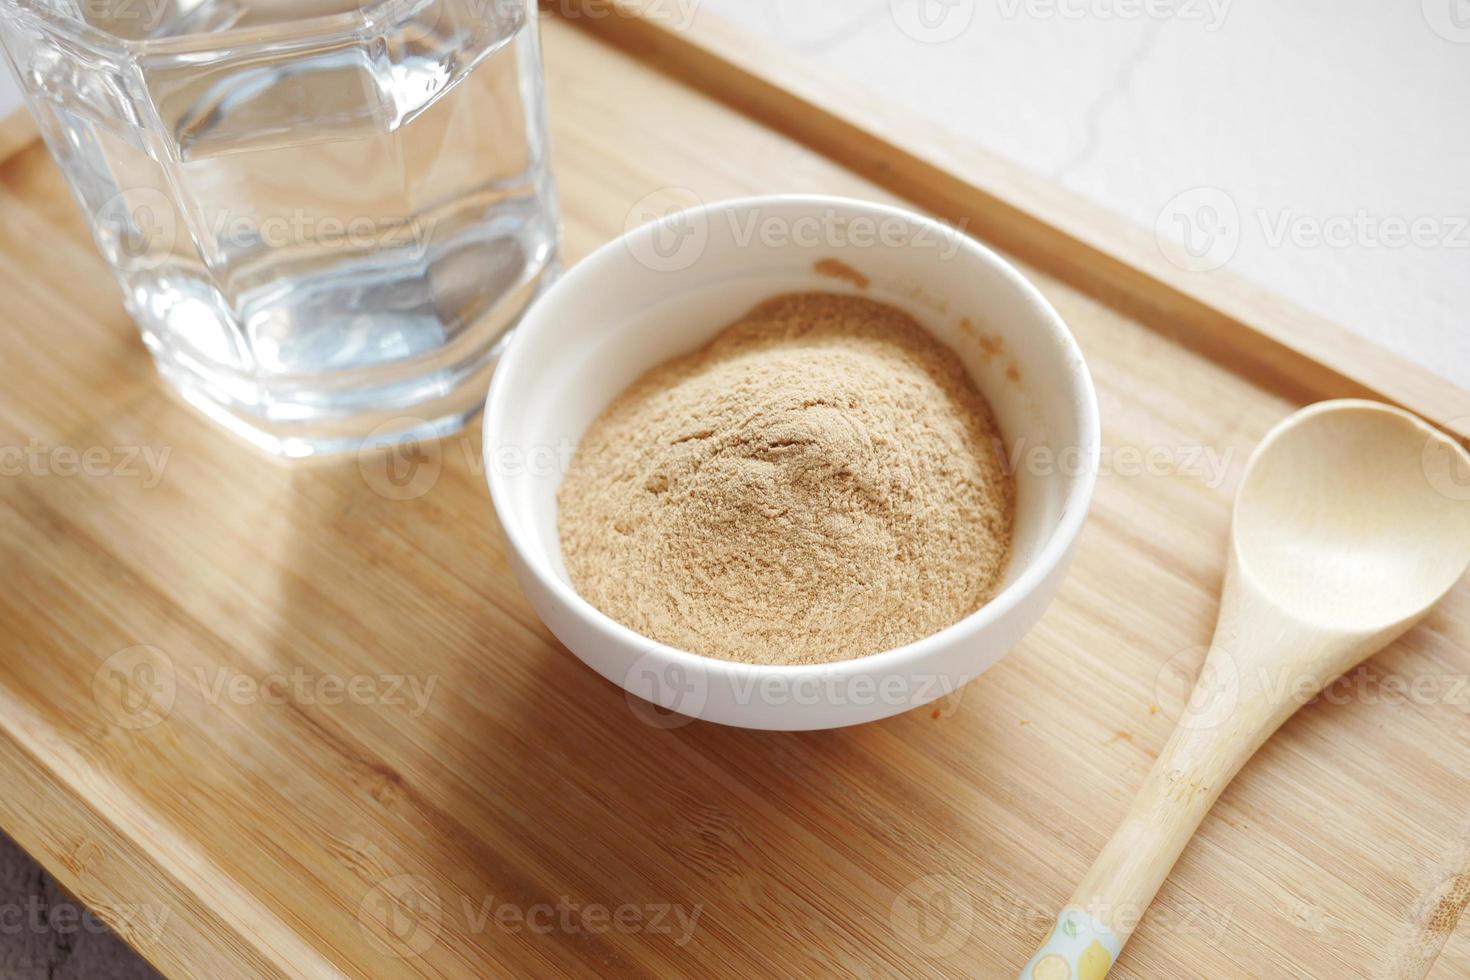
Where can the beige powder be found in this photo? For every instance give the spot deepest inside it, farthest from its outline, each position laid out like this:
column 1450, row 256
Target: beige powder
column 819, row 482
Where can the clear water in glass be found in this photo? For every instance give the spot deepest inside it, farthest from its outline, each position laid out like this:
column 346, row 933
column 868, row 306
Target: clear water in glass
column 325, row 214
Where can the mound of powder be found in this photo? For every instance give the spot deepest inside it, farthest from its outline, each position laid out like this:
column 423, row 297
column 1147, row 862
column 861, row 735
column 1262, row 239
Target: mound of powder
column 821, row 481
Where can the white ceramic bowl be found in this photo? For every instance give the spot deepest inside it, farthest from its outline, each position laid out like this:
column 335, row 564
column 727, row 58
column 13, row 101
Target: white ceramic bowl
column 666, row 288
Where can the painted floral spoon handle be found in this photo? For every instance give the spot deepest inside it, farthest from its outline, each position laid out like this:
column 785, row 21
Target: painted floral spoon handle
column 1180, row 789
column 1222, row 728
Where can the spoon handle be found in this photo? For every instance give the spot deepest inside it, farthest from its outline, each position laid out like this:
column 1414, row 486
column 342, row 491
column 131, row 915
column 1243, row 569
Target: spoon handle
column 1105, row 908
column 1261, row 667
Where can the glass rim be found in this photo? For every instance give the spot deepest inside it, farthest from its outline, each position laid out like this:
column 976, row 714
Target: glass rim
column 369, row 16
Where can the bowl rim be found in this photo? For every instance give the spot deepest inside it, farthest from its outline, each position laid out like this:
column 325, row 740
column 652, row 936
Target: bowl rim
column 1077, row 501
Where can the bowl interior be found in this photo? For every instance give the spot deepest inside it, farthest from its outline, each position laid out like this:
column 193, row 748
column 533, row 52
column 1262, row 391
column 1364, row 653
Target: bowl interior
column 612, row 318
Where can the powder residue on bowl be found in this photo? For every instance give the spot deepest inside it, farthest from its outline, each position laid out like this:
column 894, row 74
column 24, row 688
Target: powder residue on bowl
column 819, row 482
column 838, row 269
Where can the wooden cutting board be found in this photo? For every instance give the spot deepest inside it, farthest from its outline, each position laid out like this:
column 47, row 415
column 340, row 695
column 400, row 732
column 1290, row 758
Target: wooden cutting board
column 275, row 721
column 16, row 132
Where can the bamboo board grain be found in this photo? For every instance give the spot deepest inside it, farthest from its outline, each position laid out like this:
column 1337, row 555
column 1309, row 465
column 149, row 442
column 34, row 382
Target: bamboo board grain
column 17, row 131
column 254, row 829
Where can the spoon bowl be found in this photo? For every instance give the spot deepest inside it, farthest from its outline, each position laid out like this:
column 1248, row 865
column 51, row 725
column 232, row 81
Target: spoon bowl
column 1340, row 518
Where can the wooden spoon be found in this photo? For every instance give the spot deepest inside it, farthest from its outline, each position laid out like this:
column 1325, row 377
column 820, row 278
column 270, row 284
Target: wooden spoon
column 1352, row 520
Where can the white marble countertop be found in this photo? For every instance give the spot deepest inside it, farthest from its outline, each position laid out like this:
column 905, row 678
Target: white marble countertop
column 1318, row 147
column 9, row 92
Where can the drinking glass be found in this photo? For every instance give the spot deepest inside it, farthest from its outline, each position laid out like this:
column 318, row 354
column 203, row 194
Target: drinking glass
column 325, row 215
